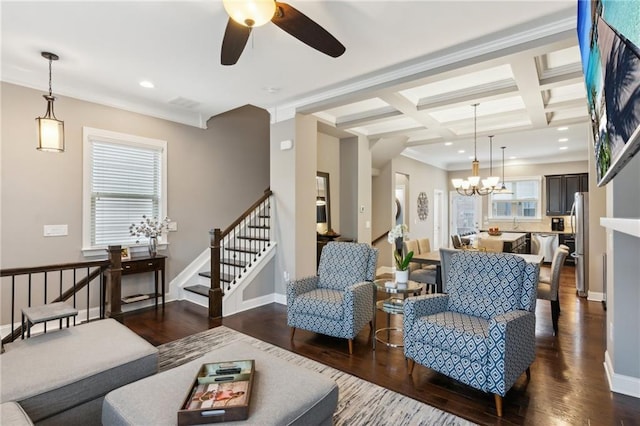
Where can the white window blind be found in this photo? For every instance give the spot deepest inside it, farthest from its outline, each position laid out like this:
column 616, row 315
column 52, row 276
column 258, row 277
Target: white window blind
column 124, row 180
column 523, row 203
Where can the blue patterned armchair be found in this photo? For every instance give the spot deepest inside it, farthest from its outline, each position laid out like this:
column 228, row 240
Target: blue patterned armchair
column 482, row 332
column 340, row 300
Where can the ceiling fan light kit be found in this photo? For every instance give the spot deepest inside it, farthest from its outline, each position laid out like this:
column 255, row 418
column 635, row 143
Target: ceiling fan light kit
column 250, row 13
column 246, row 14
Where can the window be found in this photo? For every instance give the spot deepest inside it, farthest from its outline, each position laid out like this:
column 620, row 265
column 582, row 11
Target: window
column 124, row 178
column 523, row 203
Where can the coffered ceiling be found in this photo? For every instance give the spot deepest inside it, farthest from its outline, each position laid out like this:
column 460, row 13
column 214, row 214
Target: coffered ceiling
column 407, row 80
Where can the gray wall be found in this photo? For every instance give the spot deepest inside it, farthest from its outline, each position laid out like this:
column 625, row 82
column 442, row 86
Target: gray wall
column 213, row 175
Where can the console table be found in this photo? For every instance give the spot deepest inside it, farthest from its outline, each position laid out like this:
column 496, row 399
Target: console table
column 142, row 264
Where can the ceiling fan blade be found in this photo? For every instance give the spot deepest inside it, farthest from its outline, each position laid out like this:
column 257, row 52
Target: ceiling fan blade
column 307, row 31
column 235, row 38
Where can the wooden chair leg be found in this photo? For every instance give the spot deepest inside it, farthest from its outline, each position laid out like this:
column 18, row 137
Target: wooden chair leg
column 293, row 331
column 410, row 364
column 555, row 313
column 350, row 346
column 528, row 373
column 498, row 399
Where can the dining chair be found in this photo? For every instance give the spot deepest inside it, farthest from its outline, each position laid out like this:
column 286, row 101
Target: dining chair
column 455, row 239
column 490, row 244
column 426, row 274
column 548, row 286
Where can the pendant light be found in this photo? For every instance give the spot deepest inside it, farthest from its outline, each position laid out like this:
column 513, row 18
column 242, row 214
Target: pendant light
column 471, row 185
column 50, row 129
column 503, row 189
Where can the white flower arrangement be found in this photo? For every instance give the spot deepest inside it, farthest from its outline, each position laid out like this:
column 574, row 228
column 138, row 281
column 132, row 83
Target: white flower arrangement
column 149, row 227
column 399, row 231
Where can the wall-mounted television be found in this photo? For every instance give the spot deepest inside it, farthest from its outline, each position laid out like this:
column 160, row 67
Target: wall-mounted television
column 609, row 36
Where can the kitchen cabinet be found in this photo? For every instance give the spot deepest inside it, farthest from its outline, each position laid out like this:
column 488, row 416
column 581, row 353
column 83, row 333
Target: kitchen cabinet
column 560, row 190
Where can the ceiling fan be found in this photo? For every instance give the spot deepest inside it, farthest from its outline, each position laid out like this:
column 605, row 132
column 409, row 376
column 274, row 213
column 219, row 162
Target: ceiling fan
column 247, row 14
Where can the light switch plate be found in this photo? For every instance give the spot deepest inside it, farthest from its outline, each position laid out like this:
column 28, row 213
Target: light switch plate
column 56, row 230
column 285, row 145
column 173, row 226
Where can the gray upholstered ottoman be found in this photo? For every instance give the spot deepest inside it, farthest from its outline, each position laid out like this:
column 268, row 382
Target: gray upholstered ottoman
column 61, row 376
column 283, row 394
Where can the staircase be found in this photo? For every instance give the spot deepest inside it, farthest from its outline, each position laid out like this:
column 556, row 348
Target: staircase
column 236, row 253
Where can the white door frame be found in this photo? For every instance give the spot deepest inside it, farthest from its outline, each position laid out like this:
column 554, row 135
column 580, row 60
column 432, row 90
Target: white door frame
column 439, row 223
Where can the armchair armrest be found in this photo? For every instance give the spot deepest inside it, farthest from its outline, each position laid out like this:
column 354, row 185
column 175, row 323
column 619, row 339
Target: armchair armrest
column 512, row 348
column 359, row 305
column 427, row 304
column 298, row 287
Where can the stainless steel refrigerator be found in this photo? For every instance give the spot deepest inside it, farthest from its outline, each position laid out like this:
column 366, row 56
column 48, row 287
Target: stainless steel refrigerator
column 580, row 229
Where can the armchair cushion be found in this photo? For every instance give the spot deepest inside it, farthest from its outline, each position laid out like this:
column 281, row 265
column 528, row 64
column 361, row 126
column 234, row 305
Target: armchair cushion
column 484, row 284
column 322, row 302
column 343, row 264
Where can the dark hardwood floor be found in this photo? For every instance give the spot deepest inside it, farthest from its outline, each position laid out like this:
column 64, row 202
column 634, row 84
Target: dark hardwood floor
column 568, row 383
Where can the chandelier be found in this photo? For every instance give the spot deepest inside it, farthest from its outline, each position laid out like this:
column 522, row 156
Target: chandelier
column 471, row 186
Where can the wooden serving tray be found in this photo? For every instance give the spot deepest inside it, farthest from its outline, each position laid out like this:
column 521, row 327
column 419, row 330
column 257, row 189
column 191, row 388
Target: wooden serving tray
column 220, row 392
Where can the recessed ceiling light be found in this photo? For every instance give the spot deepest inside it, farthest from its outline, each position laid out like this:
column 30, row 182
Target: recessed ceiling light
column 147, row 84
column 562, row 148
column 563, row 140
column 448, row 143
column 562, row 129
column 461, row 151
column 271, row 89
column 513, row 157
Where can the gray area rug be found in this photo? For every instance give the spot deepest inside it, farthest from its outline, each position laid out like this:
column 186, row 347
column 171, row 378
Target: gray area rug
column 360, row 402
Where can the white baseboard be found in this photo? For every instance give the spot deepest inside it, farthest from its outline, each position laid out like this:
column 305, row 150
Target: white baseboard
column 595, row 296
column 620, row 383
column 280, row 298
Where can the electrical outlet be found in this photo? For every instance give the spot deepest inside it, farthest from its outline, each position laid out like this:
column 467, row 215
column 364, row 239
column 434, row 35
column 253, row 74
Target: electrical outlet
column 286, row 276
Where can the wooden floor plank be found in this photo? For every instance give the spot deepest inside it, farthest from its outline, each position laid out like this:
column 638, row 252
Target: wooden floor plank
column 568, row 383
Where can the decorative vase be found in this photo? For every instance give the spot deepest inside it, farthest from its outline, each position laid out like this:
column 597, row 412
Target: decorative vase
column 153, row 246
column 402, row 276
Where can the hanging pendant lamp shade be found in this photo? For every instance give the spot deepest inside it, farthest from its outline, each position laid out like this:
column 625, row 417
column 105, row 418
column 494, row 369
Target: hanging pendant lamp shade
column 503, row 189
column 50, row 129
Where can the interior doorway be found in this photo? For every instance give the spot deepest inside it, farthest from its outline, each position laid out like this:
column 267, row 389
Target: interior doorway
column 466, row 213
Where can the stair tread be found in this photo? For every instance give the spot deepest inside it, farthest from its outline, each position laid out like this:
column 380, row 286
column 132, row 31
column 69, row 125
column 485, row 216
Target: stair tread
column 249, row 237
column 200, row 289
column 242, row 250
column 233, row 262
column 227, row 278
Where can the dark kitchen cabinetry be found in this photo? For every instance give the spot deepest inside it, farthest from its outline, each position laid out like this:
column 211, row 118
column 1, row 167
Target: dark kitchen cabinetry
column 560, row 190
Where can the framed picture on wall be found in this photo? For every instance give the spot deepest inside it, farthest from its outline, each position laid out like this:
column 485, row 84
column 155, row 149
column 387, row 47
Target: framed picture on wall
column 125, row 254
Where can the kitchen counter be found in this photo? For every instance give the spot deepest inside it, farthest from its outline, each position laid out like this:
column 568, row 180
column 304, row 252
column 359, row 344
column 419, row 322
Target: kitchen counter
column 567, row 231
column 507, row 237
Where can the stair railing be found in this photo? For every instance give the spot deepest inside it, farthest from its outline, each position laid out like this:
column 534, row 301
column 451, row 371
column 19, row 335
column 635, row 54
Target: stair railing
column 75, row 283
column 236, row 248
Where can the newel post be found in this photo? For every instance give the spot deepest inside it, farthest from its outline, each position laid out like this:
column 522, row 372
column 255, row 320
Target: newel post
column 215, row 292
column 114, row 283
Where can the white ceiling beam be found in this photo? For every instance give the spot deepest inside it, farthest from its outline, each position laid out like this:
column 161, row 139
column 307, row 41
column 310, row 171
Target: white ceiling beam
column 393, row 133
column 367, row 117
column 525, row 72
column 481, row 93
column 407, row 107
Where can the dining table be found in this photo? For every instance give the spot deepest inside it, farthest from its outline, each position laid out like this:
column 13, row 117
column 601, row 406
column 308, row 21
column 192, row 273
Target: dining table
column 433, row 258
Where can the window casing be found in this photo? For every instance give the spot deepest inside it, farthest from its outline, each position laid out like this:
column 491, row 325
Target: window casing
column 124, row 178
column 524, row 204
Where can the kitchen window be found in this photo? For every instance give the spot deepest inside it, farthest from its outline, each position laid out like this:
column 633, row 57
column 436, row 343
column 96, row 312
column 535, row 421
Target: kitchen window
column 124, row 178
column 523, row 203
